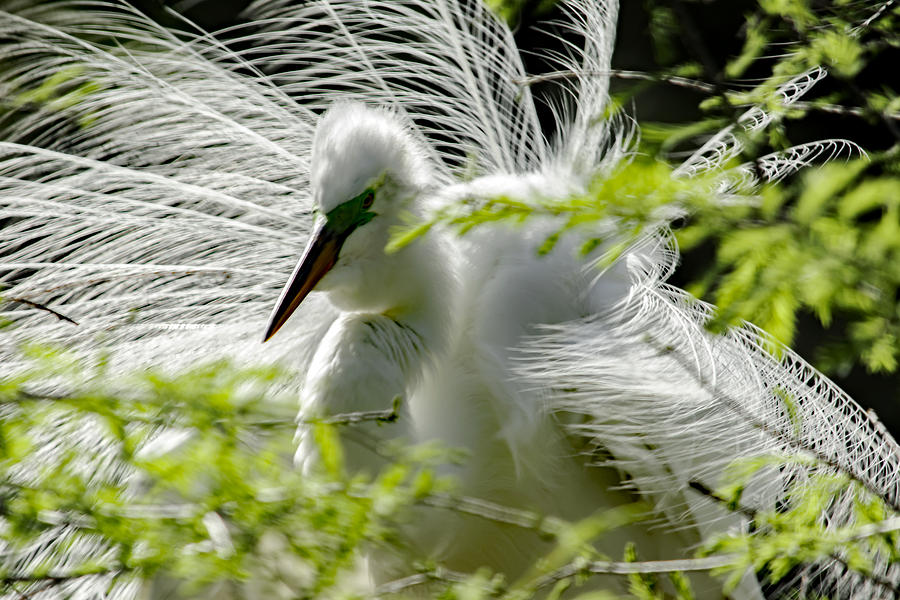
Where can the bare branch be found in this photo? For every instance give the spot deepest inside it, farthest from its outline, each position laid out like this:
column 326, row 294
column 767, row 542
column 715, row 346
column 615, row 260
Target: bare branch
column 389, row 415
column 405, row 583
column 43, row 307
column 837, row 109
column 788, row 440
column 693, row 84
column 548, row 526
column 699, row 86
column 600, row 567
column 647, row 567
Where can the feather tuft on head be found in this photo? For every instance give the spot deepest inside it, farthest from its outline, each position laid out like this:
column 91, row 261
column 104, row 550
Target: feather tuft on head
column 355, row 145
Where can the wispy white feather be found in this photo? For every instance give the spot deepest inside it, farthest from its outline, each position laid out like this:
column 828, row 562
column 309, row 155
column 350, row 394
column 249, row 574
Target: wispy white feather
column 728, row 143
column 674, row 403
column 775, row 166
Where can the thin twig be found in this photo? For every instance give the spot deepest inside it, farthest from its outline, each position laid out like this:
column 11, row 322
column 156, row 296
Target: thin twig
column 697, row 85
column 705, row 490
column 405, row 583
column 647, row 567
column 24, row 396
column 351, row 418
column 788, row 440
column 548, row 526
column 693, row 84
column 862, row 532
column 838, row 109
column 40, row 306
column 262, row 423
column 389, row 415
column 600, row 567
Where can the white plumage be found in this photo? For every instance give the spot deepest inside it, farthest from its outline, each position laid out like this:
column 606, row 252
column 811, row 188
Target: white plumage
column 164, row 208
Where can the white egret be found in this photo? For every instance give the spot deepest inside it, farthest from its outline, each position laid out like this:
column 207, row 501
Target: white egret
column 438, row 324
column 168, row 223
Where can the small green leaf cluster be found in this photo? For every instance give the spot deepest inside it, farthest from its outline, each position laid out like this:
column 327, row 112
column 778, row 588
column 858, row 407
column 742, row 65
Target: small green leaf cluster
column 804, row 528
column 822, row 242
column 827, row 243
column 512, row 11
column 618, row 208
column 185, row 481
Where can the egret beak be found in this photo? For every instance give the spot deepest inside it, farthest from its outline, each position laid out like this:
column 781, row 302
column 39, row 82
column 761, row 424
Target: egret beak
column 320, row 255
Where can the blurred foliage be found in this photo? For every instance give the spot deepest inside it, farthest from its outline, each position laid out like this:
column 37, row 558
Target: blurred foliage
column 188, row 476
column 823, row 241
column 798, row 532
column 184, row 484
column 828, row 243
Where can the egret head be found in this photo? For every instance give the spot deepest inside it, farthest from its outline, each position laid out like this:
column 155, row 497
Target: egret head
column 366, row 169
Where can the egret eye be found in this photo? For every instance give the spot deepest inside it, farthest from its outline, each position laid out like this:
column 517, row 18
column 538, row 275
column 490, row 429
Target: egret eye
column 368, row 199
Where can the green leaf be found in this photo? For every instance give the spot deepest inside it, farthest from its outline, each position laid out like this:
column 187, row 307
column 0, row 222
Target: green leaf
column 868, row 195
column 402, row 237
column 839, row 50
column 822, row 185
column 755, row 41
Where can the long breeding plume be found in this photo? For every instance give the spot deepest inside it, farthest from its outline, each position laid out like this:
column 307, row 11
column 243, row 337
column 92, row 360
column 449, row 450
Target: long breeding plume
column 160, row 195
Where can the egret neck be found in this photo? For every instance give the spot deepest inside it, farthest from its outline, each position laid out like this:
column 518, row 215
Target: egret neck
column 368, row 176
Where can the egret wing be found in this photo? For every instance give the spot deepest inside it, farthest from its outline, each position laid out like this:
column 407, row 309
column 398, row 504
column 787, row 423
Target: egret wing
column 679, row 409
